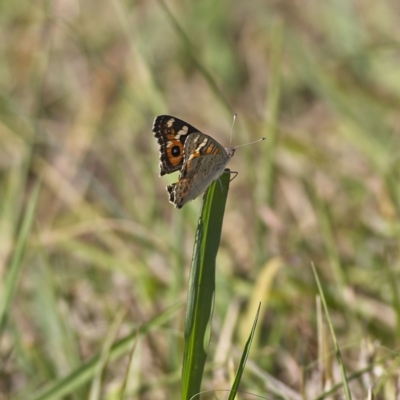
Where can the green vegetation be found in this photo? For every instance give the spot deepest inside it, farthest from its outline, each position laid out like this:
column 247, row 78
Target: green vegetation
column 94, row 261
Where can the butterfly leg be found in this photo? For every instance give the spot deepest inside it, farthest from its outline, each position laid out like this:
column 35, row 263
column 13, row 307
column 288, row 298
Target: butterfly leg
column 228, row 171
column 220, row 184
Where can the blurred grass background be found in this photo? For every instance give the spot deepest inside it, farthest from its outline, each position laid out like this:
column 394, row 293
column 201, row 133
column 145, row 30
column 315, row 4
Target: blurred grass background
column 80, row 85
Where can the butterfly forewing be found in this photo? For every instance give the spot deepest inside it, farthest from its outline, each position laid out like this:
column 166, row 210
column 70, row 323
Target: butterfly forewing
column 171, row 134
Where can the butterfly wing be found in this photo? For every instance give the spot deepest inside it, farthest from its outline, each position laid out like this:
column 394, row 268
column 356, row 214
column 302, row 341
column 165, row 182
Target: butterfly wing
column 171, row 134
column 204, row 161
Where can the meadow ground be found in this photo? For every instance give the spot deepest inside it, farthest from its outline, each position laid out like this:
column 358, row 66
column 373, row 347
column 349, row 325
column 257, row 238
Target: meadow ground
column 103, row 253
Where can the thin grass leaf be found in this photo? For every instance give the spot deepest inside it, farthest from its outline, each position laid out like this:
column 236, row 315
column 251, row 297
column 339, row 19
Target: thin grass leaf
column 200, row 302
column 394, row 287
column 357, row 375
column 188, row 47
column 335, row 343
column 260, row 293
column 273, row 104
column 326, row 227
column 267, row 173
column 11, row 280
column 243, row 360
column 128, row 369
column 388, row 374
column 95, row 390
column 62, row 344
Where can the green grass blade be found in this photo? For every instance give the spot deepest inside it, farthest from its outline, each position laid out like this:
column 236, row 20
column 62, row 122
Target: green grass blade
column 273, row 104
column 189, row 48
column 200, row 301
column 327, row 231
column 394, row 287
column 95, row 390
column 267, row 173
column 335, row 343
column 128, row 369
column 11, row 279
column 243, row 360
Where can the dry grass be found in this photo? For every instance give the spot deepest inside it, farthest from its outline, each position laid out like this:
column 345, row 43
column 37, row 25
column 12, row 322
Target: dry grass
column 80, row 84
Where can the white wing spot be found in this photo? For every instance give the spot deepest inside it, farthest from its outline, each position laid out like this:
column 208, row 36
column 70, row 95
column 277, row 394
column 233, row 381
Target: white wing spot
column 183, row 131
column 170, row 122
column 202, row 144
column 198, row 148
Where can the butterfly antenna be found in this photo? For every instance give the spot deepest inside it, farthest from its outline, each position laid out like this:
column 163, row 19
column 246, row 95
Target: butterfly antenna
column 233, row 123
column 256, row 141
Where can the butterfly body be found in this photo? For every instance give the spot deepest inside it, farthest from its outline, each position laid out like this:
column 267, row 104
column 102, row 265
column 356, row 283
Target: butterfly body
column 199, row 157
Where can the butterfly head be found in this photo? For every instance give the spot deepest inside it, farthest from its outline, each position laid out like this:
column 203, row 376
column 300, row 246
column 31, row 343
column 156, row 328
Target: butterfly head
column 230, row 151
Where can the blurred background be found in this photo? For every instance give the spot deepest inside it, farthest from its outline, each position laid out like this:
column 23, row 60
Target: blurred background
column 80, row 85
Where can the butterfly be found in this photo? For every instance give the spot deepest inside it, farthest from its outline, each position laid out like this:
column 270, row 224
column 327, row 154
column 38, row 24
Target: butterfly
column 199, row 157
